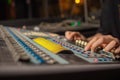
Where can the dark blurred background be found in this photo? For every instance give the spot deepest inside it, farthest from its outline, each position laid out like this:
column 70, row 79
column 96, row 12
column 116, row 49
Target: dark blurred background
column 85, row 10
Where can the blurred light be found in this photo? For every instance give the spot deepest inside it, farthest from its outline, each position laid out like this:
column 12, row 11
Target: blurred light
column 77, row 1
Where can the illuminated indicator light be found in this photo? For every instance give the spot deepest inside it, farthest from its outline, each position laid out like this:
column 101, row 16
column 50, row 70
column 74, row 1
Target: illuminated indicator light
column 85, row 43
column 82, row 43
column 76, row 42
column 77, row 1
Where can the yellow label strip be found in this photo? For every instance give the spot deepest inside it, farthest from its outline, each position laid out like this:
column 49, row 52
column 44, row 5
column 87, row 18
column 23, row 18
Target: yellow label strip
column 49, row 45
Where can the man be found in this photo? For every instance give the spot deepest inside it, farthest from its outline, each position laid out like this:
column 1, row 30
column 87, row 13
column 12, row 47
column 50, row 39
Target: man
column 108, row 35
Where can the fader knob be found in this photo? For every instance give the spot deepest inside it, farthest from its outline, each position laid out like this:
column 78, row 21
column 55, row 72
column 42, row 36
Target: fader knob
column 46, row 58
column 19, row 50
column 51, row 61
column 24, row 58
column 40, row 53
column 43, row 55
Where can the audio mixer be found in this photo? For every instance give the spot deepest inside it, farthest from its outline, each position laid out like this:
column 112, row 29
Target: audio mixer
column 26, row 47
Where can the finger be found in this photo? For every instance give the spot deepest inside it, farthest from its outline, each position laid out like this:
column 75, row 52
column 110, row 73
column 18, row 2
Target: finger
column 104, row 45
column 117, row 51
column 77, row 37
column 109, row 38
column 111, row 45
column 67, row 35
column 90, row 43
column 96, row 44
column 82, row 37
column 70, row 35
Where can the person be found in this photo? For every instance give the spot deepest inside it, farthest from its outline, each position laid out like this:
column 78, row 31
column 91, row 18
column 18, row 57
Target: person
column 108, row 34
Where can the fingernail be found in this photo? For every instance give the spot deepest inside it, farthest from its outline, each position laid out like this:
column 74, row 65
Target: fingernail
column 85, row 49
column 105, row 50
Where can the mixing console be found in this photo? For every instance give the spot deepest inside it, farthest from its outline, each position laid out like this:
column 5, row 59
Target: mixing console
column 22, row 47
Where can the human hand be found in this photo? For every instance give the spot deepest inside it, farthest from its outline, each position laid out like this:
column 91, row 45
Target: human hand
column 107, row 42
column 70, row 35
